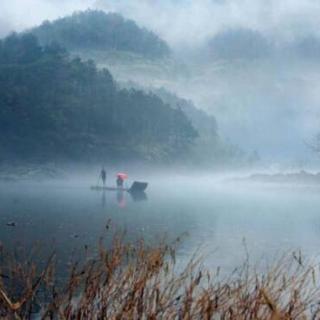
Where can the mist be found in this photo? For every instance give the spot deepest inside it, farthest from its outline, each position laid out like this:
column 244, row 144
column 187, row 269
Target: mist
column 285, row 20
column 136, row 131
column 194, row 21
column 17, row 16
column 252, row 64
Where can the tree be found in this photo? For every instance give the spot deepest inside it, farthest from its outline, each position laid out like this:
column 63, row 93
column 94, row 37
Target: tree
column 54, row 106
column 98, row 30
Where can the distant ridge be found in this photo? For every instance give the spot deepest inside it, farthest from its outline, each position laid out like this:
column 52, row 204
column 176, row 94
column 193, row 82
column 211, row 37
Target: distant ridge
column 302, row 177
column 97, row 30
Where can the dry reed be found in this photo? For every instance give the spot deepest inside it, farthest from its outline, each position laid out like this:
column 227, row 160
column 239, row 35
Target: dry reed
column 140, row 282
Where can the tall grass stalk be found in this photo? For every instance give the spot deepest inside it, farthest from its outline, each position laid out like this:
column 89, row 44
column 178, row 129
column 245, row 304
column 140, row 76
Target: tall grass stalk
column 134, row 281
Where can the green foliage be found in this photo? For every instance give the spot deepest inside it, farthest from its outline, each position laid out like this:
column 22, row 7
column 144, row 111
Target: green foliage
column 204, row 123
column 100, row 31
column 52, row 106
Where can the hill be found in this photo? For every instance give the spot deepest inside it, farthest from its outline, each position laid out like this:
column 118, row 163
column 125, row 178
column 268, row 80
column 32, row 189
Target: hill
column 244, row 44
column 209, row 149
column 53, row 106
column 97, row 30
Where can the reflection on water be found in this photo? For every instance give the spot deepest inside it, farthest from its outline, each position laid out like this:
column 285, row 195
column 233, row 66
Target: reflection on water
column 139, row 196
column 121, row 197
column 217, row 218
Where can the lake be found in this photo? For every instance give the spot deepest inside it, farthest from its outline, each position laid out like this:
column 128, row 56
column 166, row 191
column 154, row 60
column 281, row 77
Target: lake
column 223, row 220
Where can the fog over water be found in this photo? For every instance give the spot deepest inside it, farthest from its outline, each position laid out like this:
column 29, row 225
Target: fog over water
column 222, row 218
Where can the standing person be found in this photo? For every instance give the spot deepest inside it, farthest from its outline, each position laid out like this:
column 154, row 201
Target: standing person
column 120, row 179
column 119, row 182
column 103, row 176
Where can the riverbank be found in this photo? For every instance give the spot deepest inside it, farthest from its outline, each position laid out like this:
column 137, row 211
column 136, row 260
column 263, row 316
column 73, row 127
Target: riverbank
column 302, row 177
column 30, row 172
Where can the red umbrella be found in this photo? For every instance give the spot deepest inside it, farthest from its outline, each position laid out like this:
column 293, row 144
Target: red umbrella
column 123, row 176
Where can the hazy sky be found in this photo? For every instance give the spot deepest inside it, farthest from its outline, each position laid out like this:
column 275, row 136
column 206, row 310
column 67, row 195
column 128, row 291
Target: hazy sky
column 20, row 14
column 195, row 20
column 179, row 20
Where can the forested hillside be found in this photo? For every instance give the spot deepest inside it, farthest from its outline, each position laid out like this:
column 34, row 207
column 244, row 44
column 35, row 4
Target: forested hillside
column 55, row 107
column 97, row 30
column 210, row 148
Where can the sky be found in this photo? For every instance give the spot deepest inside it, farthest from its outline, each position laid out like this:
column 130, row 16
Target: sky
column 197, row 19
column 16, row 15
column 270, row 104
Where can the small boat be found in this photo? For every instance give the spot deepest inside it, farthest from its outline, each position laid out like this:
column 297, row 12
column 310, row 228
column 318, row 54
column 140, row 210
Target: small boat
column 136, row 187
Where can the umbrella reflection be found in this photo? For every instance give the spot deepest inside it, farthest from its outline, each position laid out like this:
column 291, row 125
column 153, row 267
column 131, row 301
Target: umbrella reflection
column 121, row 199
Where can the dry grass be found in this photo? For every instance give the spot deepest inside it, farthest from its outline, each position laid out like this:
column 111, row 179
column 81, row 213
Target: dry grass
column 138, row 282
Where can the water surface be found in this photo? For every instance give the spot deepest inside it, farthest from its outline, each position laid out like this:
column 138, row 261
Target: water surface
column 223, row 220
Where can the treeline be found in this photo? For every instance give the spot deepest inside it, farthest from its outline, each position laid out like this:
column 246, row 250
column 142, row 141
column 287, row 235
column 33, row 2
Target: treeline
column 53, row 106
column 210, row 150
column 97, row 30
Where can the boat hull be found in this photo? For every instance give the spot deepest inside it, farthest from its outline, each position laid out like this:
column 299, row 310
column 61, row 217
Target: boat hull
column 100, row 188
column 136, row 187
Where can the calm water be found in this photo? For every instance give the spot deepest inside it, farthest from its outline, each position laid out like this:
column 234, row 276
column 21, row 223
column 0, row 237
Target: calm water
column 218, row 216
